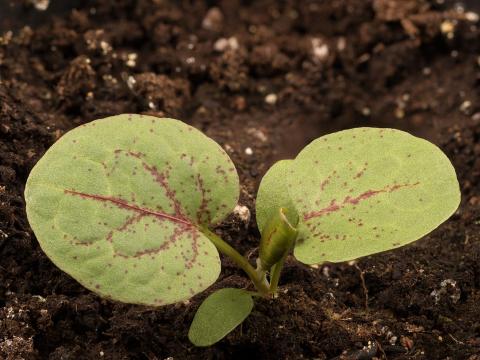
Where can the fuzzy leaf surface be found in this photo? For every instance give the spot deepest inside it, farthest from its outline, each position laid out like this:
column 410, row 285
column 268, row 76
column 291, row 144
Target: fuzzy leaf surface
column 218, row 315
column 117, row 203
column 367, row 190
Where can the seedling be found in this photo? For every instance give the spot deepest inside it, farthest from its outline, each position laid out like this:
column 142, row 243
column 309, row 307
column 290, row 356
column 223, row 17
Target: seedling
column 125, row 205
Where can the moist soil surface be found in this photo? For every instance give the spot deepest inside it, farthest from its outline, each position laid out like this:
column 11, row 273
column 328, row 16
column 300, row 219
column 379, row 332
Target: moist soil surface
column 268, row 77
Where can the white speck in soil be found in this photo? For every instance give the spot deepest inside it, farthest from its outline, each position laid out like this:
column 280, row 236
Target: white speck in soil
column 106, row 47
column 366, row 111
column 220, row 45
column 448, row 287
column 459, row 7
column 224, row 44
column 5, row 39
column 41, row 5
column 466, row 106
column 271, row 99
column 341, row 43
column 326, row 271
column 213, row 20
column 320, row 50
column 471, row 16
column 131, row 60
column 258, row 134
column 131, row 82
column 243, row 213
column 447, row 28
column 228, row 148
column 393, row 340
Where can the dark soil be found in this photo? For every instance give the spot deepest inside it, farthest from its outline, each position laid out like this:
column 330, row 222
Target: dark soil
column 389, row 63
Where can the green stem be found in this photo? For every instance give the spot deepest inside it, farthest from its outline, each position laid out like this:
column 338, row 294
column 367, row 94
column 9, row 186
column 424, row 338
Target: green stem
column 275, row 273
column 240, row 260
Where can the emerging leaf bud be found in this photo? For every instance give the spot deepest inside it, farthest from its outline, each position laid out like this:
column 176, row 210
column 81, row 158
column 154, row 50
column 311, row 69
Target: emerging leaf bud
column 278, row 238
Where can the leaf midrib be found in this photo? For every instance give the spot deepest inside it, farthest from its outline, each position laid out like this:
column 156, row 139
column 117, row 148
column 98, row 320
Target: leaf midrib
column 126, row 205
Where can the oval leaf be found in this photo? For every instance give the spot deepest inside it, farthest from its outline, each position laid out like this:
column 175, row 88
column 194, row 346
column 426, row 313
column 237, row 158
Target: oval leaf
column 273, row 195
column 367, row 190
column 117, row 204
column 218, row 315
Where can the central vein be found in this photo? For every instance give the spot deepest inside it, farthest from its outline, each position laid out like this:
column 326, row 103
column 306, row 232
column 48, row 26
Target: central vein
column 128, row 206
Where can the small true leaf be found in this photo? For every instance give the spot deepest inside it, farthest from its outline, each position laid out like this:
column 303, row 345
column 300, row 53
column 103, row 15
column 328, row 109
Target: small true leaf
column 367, row 190
column 118, row 203
column 278, row 238
column 273, row 195
column 218, row 315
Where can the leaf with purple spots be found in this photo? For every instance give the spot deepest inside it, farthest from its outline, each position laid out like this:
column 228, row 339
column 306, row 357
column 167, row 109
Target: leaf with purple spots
column 362, row 191
column 119, row 204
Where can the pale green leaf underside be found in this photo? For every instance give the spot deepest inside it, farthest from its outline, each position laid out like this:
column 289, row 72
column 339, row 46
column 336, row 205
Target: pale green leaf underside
column 115, row 203
column 218, row 315
column 273, row 194
column 367, row 190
